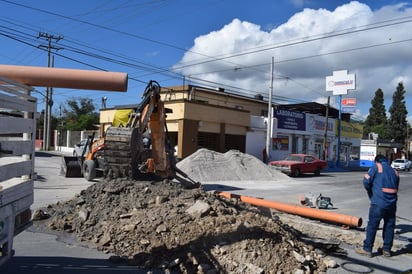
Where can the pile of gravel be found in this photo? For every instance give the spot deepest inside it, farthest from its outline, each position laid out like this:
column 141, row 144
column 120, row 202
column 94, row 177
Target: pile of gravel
column 207, row 165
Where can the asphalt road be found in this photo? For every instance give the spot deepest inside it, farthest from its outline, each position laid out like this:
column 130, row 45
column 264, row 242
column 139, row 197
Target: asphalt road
column 38, row 252
column 349, row 198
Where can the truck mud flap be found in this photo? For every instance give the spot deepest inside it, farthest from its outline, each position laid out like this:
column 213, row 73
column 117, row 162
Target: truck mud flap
column 70, row 167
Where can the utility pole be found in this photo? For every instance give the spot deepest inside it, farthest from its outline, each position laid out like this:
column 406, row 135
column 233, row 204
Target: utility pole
column 326, row 130
column 270, row 115
column 49, row 91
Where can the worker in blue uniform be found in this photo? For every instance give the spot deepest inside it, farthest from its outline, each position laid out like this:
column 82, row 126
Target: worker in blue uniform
column 381, row 184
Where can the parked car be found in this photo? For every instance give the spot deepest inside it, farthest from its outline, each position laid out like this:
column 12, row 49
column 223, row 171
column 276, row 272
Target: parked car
column 401, row 164
column 297, row 164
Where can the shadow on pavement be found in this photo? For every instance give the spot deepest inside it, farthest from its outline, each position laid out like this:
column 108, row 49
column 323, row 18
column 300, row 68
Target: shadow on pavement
column 218, row 187
column 44, row 154
column 354, row 265
column 65, row 265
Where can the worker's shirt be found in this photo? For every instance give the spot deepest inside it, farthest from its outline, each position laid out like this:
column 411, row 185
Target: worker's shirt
column 382, row 182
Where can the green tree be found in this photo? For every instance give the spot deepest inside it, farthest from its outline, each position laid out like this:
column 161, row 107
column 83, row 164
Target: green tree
column 398, row 116
column 79, row 114
column 376, row 121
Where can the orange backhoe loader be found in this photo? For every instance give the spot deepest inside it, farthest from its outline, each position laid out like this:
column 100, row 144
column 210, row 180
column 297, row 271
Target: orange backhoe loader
column 89, row 163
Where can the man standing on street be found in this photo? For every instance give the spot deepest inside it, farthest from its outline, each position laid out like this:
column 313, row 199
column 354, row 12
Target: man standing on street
column 381, row 183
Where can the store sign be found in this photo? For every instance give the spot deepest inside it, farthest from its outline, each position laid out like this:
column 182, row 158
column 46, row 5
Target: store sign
column 317, row 124
column 348, row 110
column 349, row 101
column 292, row 120
column 340, row 82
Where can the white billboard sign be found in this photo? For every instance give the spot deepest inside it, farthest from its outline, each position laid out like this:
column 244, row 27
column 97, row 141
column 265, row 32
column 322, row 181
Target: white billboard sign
column 340, row 82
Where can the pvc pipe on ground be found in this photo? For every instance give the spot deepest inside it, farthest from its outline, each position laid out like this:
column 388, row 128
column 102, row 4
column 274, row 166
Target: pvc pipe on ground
column 298, row 210
column 66, row 78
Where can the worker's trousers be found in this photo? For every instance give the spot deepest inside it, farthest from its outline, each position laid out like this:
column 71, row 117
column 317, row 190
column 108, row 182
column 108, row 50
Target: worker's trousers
column 376, row 214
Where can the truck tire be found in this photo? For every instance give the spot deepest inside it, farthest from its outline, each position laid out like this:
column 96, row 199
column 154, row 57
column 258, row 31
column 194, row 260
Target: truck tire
column 89, row 170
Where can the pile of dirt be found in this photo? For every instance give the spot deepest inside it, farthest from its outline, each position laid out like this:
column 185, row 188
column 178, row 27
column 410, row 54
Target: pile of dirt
column 161, row 225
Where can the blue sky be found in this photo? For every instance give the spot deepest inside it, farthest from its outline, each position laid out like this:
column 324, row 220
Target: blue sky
column 218, row 43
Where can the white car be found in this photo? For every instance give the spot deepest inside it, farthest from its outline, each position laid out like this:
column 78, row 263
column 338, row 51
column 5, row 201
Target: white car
column 401, row 164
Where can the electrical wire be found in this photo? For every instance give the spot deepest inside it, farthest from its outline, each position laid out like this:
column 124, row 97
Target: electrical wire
column 220, row 58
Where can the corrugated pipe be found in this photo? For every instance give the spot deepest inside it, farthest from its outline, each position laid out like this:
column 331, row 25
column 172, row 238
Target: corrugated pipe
column 66, row 78
column 298, row 210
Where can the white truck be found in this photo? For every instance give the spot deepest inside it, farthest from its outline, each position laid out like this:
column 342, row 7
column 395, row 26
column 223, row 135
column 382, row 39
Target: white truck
column 17, row 148
column 18, row 111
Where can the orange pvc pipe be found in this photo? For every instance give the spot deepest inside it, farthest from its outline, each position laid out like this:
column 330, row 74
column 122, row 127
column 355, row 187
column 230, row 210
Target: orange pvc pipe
column 298, row 210
column 66, row 78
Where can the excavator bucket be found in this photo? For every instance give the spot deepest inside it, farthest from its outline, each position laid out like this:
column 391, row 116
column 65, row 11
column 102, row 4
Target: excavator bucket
column 120, row 152
column 71, row 166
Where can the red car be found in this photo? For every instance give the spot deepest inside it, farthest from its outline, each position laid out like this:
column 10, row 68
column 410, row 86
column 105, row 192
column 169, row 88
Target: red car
column 297, row 164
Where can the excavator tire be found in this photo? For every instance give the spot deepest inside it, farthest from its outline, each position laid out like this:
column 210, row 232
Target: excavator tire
column 121, row 148
column 89, row 170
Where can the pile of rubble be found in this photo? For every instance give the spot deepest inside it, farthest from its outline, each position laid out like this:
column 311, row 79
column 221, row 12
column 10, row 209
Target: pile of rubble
column 161, row 225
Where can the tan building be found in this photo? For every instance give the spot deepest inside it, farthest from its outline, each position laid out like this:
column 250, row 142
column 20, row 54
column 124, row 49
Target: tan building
column 203, row 118
column 220, row 121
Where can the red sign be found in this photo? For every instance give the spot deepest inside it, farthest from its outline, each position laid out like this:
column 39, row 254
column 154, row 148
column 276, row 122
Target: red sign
column 349, row 101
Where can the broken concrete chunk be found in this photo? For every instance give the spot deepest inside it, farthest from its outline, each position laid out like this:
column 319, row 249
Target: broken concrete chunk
column 199, row 209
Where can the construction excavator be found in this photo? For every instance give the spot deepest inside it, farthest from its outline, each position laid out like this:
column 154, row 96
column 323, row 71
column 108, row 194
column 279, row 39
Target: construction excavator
column 138, row 149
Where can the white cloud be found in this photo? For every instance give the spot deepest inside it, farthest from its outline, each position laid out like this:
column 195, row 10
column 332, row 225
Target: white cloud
column 379, row 56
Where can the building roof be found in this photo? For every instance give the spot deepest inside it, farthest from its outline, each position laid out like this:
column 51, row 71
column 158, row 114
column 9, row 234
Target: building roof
column 310, row 107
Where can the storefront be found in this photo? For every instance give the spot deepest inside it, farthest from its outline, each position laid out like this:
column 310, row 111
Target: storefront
column 290, row 135
column 322, row 135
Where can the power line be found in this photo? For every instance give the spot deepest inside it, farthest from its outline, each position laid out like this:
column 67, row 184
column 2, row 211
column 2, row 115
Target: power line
column 237, row 89
column 307, row 39
column 386, row 23
column 106, row 28
column 221, row 58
